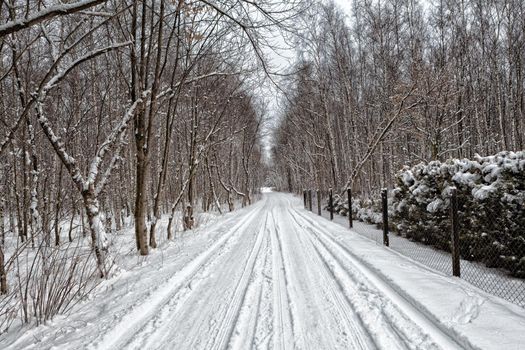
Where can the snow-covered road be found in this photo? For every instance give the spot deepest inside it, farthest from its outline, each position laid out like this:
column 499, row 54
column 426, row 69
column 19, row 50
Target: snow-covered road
column 267, row 276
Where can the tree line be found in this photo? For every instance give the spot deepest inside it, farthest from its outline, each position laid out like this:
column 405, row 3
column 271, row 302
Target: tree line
column 117, row 110
column 397, row 82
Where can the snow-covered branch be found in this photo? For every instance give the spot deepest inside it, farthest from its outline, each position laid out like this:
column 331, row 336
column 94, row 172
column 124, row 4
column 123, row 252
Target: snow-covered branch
column 69, row 162
column 45, row 14
column 112, row 137
column 62, row 74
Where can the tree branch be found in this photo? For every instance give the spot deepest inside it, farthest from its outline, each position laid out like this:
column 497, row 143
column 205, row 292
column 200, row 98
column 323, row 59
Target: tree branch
column 48, row 13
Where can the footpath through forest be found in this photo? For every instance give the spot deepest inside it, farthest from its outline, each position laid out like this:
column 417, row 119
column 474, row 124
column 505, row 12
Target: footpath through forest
column 273, row 275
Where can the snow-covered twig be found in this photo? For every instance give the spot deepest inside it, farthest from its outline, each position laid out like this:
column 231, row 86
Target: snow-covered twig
column 48, row 13
column 62, row 74
column 112, row 137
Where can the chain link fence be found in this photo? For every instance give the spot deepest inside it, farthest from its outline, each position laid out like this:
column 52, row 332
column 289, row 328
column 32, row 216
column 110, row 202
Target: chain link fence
column 488, row 247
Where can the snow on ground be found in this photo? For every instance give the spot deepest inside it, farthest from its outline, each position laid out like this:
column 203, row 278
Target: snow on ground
column 276, row 276
column 494, row 281
column 266, row 189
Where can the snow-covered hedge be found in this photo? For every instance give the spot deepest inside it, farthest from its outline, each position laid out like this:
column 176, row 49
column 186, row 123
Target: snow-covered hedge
column 363, row 209
column 491, row 196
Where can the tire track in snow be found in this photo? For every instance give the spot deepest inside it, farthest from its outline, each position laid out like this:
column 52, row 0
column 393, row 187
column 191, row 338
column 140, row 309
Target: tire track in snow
column 315, row 312
column 251, row 316
column 222, row 339
column 131, row 323
column 370, row 293
column 283, row 333
column 216, row 304
column 356, row 335
column 388, row 337
column 264, row 317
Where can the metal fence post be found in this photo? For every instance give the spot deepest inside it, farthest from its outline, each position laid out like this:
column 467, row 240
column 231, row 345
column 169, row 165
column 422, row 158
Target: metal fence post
column 319, row 202
column 310, row 200
column 331, row 203
column 384, row 197
column 350, row 219
column 456, row 267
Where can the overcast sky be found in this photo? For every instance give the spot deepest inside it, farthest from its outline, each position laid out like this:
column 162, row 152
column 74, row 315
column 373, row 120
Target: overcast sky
column 345, row 4
column 281, row 60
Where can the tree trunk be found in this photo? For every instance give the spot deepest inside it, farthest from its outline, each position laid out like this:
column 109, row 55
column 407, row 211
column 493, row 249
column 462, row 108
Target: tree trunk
column 96, row 228
column 3, row 275
column 71, row 223
column 35, row 215
column 170, row 232
column 188, row 213
column 2, row 226
column 58, row 207
column 141, row 233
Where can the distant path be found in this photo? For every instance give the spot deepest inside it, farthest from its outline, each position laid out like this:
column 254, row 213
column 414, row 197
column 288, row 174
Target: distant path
column 269, row 277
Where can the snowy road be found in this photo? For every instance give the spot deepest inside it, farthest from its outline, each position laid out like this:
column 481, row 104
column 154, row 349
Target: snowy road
column 268, row 276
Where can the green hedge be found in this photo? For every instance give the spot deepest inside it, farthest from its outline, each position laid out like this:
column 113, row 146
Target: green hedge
column 491, row 196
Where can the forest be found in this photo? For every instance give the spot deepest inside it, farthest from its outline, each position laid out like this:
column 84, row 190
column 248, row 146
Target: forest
column 118, row 112
column 400, row 82
column 127, row 113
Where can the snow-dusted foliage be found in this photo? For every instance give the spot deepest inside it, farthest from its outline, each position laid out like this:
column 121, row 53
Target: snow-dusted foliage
column 363, row 209
column 491, row 196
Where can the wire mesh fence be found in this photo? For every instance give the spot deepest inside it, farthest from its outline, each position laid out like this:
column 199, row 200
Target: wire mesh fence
column 493, row 239
column 490, row 242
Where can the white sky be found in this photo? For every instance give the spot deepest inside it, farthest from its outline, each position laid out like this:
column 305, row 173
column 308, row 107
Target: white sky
column 344, row 4
column 281, row 60
column 284, row 57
